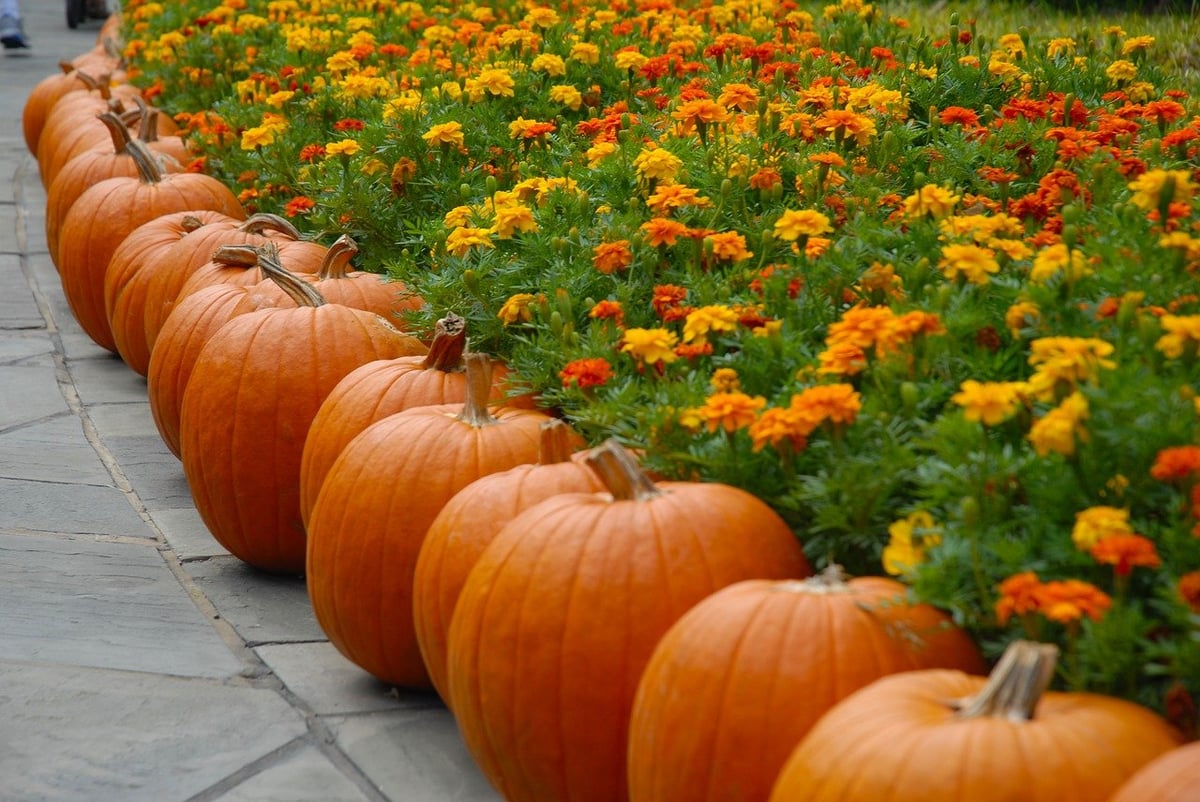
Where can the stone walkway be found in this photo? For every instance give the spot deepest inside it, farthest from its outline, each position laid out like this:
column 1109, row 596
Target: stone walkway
column 138, row 660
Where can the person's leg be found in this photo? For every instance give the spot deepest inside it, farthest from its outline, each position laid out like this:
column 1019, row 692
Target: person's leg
column 10, row 8
column 12, row 34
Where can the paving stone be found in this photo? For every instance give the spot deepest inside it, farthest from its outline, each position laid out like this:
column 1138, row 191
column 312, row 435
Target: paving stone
column 413, row 755
column 306, row 776
column 110, row 736
column 29, row 392
column 328, row 683
column 24, row 346
column 18, row 309
column 186, row 533
column 75, row 509
column 53, row 451
column 106, row 380
column 104, row 605
column 124, row 420
column 154, row 471
column 262, row 607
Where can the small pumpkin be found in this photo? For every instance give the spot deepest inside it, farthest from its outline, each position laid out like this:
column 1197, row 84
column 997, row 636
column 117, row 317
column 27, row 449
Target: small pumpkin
column 766, row 660
column 377, row 502
column 939, row 735
column 562, row 611
column 255, row 388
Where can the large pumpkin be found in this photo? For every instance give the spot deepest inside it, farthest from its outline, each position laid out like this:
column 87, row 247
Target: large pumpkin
column 382, row 388
column 472, row 519
column 108, row 212
column 1173, row 777
column 48, row 92
column 376, row 504
column 766, row 660
column 340, row 283
column 559, row 616
column 937, row 735
column 255, row 388
column 71, row 126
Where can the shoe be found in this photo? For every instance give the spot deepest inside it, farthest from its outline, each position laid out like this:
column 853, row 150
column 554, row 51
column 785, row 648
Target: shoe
column 97, row 9
column 12, row 34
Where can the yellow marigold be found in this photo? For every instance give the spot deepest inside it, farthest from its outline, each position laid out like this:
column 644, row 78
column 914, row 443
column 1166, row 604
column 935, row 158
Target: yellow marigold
column 729, row 246
column 344, row 147
column 725, row 380
column 1135, row 44
column 517, row 309
column 842, row 358
column 930, row 200
column 599, row 152
column 910, row 537
column 1060, row 46
column 1012, row 44
column 496, row 82
column 1154, row 188
column 449, row 134
column 458, row 216
column 464, row 238
column 1021, row 315
column 699, row 112
column 257, row 137
column 990, row 403
column 861, row 325
column 657, row 164
column 1182, row 335
column 1095, row 523
column 794, row 224
column 278, row 99
column 1061, row 428
column 1055, row 259
column 1121, row 71
column 567, row 95
column 511, row 218
column 630, row 60
column 585, row 53
column 650, row 346
column 1063, row 362
column 729, row 411
column 974, row 263
column 701, row 321
column 549, row 63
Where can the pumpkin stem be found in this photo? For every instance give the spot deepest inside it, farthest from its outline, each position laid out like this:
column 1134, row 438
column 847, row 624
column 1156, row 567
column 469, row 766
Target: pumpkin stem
column 449, row 341
column 831, row 580
column 148, row 167
column 336, row 263
column 300, row 292
column 555, row 443
column 90, row 81
column 262, row 222
column 621, row 473
column 479, row 391
column 148, row 125
column 236, row 255
column 190, row 223
column 67, row 67
column 117, row 130
column 1016, row 684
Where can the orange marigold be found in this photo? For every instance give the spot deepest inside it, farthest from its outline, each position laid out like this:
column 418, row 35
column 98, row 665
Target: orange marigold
column 836, row 403
column 1068, row 600
column 1018, row 596
column 1176, row 464
column 1189, row 589
column 1125, row 552
column 608, row 310
column 610, row 257
column 730, row 411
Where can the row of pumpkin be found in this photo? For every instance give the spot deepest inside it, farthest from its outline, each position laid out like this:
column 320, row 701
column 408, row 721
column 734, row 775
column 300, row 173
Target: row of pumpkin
column 598, row 635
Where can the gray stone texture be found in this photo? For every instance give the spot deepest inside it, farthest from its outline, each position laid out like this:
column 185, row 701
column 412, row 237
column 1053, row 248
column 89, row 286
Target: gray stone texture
column 262, row 607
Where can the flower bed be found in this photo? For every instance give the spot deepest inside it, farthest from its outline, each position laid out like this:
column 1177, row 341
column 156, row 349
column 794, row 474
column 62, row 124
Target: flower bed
column 942, row 317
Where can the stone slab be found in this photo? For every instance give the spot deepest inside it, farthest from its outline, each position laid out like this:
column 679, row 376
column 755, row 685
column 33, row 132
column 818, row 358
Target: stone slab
column 29, row 392
column 306, row 776
column 328, row 683
column 123, row 420
column 185, row 532
column 112, row 736
column 74, row 509
column 152, row 470
column 413, row 755
column 102, row 605
column 17, row 347
column 53, row 451
column 262, row 607
column 106, row 380
column 18, row 309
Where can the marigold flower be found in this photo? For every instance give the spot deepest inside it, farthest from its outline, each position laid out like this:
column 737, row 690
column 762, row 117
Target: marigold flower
column 1182, row 335
column 663, row 231
column 549, row 63
column 1055, row 259
column 842, row 358
column 650, row 346
column 973, row 262
column 463, row 238
column 958, row 115
column 517, row 309
column 836, row 403
column 1177, row 464
column 344, row 147
column 657, row 164
column 779, row 426
column 1096, row 523
column 701, row 321
column 1121, row 71
column 910, row 537
column 729, row 411
column 1018, row 596
column 449, row 134
column 990, row 402
column 1069, row 600
column 930, row 200
column 840, row 123
column 298, row 205
column 793, row 224
column 667, row 197
column 567, row 95
column 729, row 246
column 742, row 97
column 700, row 112
column 610, row 257
column 1154, row 189
column 311, row 153
column 1125, row 552
column 667, row 297
column 258, row 136
column 1059, row 429
column 585, row 373
column 630, row 59
column 496, row 82
column 608, row 310
column 1063, row 362
column 511, row 218
column 1189, row 590
column 725, row 380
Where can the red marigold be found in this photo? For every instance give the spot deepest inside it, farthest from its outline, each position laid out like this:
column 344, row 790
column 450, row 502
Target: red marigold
column 668, row 297
column 1176, row 464
column 298, row 205
column 1189, row 589
column 312, row 153
column 586, row 372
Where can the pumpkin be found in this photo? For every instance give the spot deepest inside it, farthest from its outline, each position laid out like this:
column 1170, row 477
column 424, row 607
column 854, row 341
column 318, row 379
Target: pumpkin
column 376, row 293
column 938, row 735
column 382, row 388
column 189, row 327
column 255, row 387
column 176, row 267
column 108, row 212
column 72, row 126
column 1172, row 777
column 46, row 93
column 472, row 519
column 766, row 660
column 375, row 505
column 158, row 132
column 560, row 614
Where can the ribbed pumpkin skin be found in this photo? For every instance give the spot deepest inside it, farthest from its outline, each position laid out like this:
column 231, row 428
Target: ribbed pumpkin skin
column 253, row 393
column 559, row 616
column 1173, row 777
column 108, row 212
column 129, row 271
column 371, row 516
column 42, row 98
column 897, row 739
column 460, row 533
column 179, row 344
column 371, row 393
column 71, row 128
column 76, row 177
column 739, row 680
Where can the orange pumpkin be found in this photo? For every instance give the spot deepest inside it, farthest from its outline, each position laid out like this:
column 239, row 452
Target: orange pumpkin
column 472, row 519
column 372, row 291
column 944, row 735
column 376, row 504
column 1172, row 777
column 256, row 385
column 379, row 389
column 559, row 616
column 766, row 660
column 72, row 127
column 48, row 92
